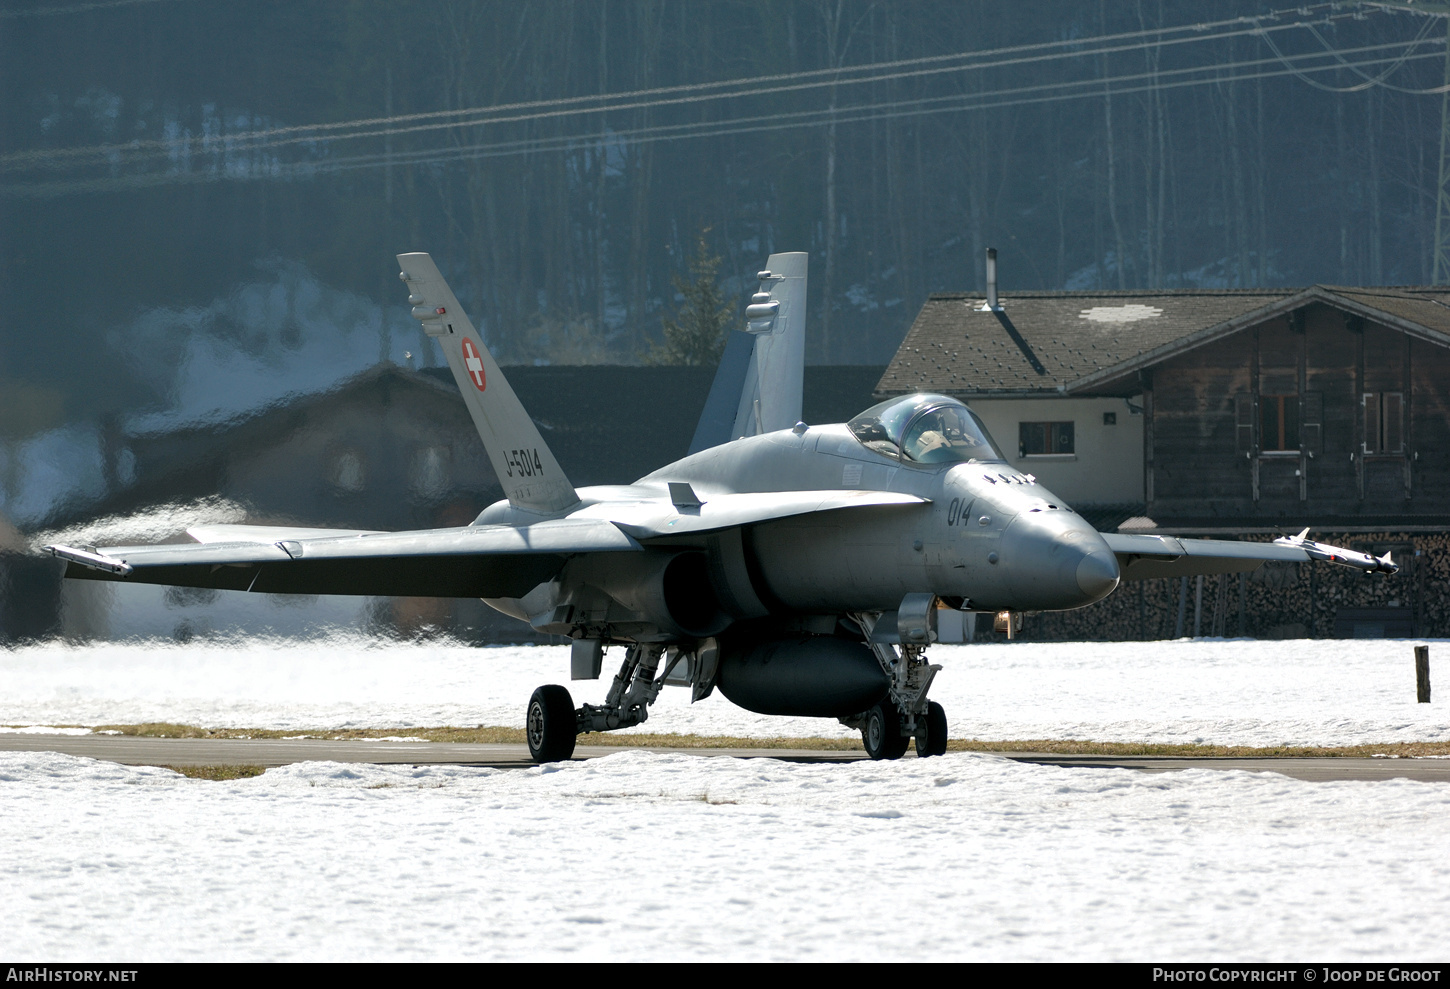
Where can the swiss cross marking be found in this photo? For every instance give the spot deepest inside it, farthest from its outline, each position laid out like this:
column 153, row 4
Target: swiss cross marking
column 473, row 363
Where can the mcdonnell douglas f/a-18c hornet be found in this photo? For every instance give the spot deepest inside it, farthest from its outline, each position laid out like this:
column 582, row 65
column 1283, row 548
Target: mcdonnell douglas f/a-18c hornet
column 800, row 569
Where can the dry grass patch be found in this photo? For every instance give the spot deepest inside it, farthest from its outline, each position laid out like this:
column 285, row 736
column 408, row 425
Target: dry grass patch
column 1405, row 750
column 218, row 773
column 481, row 735
column 493, row 735
column 155, row 729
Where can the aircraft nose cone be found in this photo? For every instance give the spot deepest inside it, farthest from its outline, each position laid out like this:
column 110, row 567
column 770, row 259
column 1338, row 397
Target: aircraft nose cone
column 1097, row 574
column 1056, row 562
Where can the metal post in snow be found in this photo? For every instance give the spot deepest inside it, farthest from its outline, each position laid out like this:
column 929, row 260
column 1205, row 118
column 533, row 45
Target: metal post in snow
column 1422, row 674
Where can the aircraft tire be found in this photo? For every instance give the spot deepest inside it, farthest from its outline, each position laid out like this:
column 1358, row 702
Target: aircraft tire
column 550, row 724
column 932, row 738
column 881, row 732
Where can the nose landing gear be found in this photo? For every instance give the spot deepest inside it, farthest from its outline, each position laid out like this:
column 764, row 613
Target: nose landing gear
column 553, row 723
column 550, row 724
column 904, row 713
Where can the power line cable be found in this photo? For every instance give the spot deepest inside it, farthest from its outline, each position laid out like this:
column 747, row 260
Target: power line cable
column 568, row 106
column 74, row 8
column 959, row 102
column 1370, row 81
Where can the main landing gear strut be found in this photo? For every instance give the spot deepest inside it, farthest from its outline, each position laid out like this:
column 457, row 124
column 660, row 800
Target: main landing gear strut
column 904, row 713
column 553, row 723
column 887, row 729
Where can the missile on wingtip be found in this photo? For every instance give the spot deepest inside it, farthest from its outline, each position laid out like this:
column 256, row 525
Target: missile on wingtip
column 1335, row 554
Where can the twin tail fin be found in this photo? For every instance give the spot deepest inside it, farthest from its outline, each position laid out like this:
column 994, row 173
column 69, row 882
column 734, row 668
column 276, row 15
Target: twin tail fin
column 532, row 479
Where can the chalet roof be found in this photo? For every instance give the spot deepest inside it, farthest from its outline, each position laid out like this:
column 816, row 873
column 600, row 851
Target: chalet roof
column 1088, row 340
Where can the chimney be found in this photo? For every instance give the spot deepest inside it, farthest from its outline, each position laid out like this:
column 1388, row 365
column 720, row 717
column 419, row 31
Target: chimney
column 991, row 305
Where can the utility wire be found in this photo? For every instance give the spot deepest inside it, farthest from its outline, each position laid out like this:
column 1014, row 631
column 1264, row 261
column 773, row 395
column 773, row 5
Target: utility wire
column 1370, row 81
column 1380, row 79
column 74, row 8
column 958, row 102
column 678, row 95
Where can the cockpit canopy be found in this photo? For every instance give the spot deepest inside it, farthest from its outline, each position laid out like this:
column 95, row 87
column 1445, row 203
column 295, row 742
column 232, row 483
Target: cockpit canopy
column 924, row 429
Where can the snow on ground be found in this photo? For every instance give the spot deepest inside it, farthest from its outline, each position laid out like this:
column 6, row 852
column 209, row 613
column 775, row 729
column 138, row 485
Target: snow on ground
column 653, row 856
column 646, row 856
column 1213, row 691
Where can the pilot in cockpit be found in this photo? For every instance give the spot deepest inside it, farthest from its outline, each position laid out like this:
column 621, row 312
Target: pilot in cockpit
column 941, row 435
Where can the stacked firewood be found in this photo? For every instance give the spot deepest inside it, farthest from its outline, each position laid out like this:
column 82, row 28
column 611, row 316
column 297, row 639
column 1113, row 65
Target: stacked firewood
column 1279, row 601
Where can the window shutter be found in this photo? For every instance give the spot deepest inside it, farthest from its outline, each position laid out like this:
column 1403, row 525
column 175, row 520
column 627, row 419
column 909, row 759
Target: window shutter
column 1370, row 401
column 1244, row 421
column 1312, row 429
column 1393, row 417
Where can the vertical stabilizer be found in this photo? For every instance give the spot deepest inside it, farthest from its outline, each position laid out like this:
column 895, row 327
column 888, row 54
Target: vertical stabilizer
column 776, row 317
column 531, row 477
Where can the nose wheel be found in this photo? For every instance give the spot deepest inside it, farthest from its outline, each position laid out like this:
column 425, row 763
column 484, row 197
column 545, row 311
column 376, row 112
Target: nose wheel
column 550, row 724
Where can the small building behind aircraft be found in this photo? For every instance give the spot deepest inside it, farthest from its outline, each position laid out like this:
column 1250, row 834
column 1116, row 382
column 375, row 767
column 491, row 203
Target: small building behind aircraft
column 1222, row 412
column 390, row 448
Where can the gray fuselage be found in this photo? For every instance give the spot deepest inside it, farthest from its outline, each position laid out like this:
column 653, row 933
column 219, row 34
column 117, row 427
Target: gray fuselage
column 989, row 535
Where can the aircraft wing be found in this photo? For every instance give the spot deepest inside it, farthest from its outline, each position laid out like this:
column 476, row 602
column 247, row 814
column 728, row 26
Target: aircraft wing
column 469, row 561
column 268, row 533
column 648, row 519
column 1143, row 557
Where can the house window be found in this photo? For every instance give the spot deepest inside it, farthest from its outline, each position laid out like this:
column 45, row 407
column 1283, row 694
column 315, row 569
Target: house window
column 1285, row 422
column 1279, row 422
column 1384, row 422
column 1039, row 439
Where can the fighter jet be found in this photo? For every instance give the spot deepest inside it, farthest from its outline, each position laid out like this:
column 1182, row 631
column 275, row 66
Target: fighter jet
column 800, row 570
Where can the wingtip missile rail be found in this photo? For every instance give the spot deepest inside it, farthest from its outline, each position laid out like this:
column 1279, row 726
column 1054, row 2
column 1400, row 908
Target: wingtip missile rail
column 1367, row 562
column 95, row 561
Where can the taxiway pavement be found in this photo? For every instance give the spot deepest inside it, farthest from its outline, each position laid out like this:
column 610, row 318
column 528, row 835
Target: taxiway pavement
column 140, row 751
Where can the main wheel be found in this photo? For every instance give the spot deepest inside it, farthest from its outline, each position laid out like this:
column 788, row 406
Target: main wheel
column 881, row 732
column 550, row 724
column 931, row 736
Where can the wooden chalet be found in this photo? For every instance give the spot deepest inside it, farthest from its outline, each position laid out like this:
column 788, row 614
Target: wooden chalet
column 1246, row 410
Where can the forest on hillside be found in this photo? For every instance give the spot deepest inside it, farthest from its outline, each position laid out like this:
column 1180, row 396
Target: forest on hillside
column 561, row 158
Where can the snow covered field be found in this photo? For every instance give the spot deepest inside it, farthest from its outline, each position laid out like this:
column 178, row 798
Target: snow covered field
column 645, row 855
column 642, row 856
column 1217, row 691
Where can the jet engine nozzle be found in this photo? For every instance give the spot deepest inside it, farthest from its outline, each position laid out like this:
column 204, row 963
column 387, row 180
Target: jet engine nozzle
column 671, row 591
